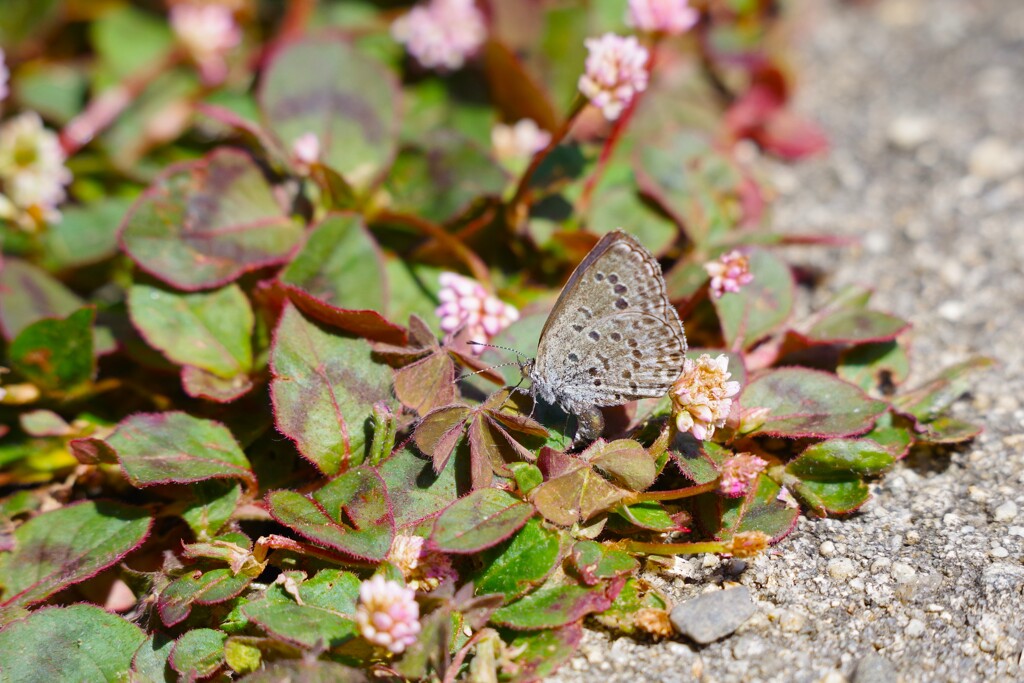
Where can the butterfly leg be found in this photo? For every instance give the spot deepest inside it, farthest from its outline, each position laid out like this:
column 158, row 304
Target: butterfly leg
column 589, row 424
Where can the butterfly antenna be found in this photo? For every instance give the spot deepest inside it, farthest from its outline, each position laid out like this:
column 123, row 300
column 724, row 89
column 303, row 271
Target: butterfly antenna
column 489, row 367
column 512, row 391
column 495, row 346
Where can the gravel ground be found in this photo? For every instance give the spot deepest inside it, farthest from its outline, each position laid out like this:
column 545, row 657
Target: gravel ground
column 924, row 103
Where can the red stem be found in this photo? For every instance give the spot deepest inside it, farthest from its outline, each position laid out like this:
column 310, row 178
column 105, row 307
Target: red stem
column 674, row 494
column 616, row 134
column 640, row 548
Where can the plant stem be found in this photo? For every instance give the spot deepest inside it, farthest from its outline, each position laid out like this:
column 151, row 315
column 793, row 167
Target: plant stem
column 642, row 548
column 617, row 132
column 675, row 494
column 523, row 188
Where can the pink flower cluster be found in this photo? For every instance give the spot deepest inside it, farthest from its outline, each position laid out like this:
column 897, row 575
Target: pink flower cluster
column 388, row 614
column 208, row 32
column 465, row 303
column 616, row 71
column 5, row 75
column 520, row 141
column 729, row 273
column 442, row 34
column 671, row 17
column 739, row 472
column 702, row 396
column 306, row 152
column 32, row 172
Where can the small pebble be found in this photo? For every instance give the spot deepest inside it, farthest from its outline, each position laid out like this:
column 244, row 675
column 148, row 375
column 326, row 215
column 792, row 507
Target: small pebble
column 915, row 628
column 902, row 572
column 874, row 668
column 1007, row 512
column 827, row 549
column 910, row 132
column 993, row 159
column 714, row 615
column 841, row 569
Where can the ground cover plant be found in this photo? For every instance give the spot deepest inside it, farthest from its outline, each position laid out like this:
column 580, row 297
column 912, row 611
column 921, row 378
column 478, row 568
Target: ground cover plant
column 246, row 246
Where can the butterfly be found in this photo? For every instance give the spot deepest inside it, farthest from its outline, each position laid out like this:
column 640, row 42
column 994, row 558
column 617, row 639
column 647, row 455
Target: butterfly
column 612, row 336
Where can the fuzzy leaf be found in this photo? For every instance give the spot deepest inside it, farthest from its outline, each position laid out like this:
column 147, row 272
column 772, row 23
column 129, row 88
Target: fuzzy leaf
column 427, row 384
column 572, row 492
column 56, row 354
column 930, row 400
column 555, row 605
column 85, row 233
column 635, row 596
column 76, row 643
column 416, row 490
column 324, row 389
column 649, row 515
column 875, row 368
column 204, row 223
column 595, row 562
column 809, row 403
column 199, row 588
column 29, row 294
column 199, row 383
column 303, row 671
column 626, row 462
column 619, row 204
column 946, row 430
column 480, row 520
column 207, row 330
column 304, row 625
column 198, row 653
column 761, row 306
column 855, row 326
column 439, row 432
column 209, row 506
column 538, row 654
column 321, row 85
column 163, row 448
column 149, row 663
column 760, row 510
column 522, row 563
column 341, row 265
column 351, row 514
column 66, row 546
column 837, row 459
column 832, row 497
column 361, row 323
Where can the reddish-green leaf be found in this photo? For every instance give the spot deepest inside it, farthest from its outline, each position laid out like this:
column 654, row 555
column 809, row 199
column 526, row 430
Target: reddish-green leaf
column 362, row 323
column 416, row 490
column 875, row 368
column 198, row 653
column 56, row 354
column 930, row 400
column 626, row 462
column 837, row 459
column 555, row 605
column 572, row 491
column 439, row 432
column 306, row 671
column 66, row 546
column 855, row 326
column 428, row 383
column 946, row 429
column 28, row 294
column 76, row 643
column 808, row 403
column 149, row 663
column 321, row 85
column 351, row 514
column 199, row 588
column 204, row 223
column 635, row 596
column 324, row 389
column 480, row 520
column 522, row 563
column 163, row 448
column 304, row 625
column 207, row 330
column 539, row 653
column 594, row 562
column 760, row 307
column 760, row 510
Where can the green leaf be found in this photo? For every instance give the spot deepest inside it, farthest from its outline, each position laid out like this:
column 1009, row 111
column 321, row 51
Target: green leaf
column 837, row 459
column 209, row 506
column 625, row 461
column 85, row 234
column 614, row 206
column 304, row 625
column 649, row 515
column 321, row 85
column 151, row 40
column 554, row 605
column 832, row 497
column 66, row 546
column 416, row 490
column 324, row 390
column 933, row 398
column 893, row 434
column 574, row 492
column 149, row 663
column 855, row 326
column 57, row 354
column 176, row 448
column 595, row 562
column 204, row 223
column 341, row 265
column 538, row 654
column 635, row 596
column 946, row 430
column 760, row 307
column 199, row 588
column 875, row 368
column 808, row 403
column 305, row 671
column 72, row 644
column 30, row 294
column 198, row 653
column 358, row 496
column 760, row 510
column 442, row 179
column 480, row 520
column 521, row 563
column 208, row 330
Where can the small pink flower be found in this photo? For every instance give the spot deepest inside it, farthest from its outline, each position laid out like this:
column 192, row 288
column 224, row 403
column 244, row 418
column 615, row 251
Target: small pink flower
column 32, row 171
column 388, row 614
column 306, row 152
column 702, row 396
column 208, row 32
column 616, row 71
column 739, row 472
column 671, row 17
column 520, row 141
column 465, row 303
column 730, row 273
column 442, row 34
column 405, row 553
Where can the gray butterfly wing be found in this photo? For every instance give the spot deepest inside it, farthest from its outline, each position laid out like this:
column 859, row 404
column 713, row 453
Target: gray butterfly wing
column 613, row 336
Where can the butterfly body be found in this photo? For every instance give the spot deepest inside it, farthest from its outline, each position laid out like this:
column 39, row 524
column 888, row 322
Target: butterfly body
column 612, row 336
